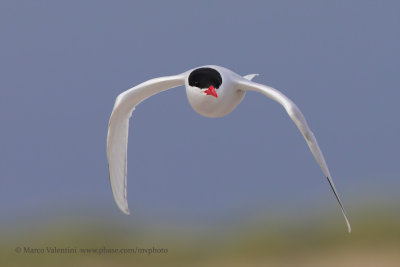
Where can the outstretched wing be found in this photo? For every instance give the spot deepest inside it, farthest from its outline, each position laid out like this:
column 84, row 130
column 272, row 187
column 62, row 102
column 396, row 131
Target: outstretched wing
column 298, row 118
column 117, row 137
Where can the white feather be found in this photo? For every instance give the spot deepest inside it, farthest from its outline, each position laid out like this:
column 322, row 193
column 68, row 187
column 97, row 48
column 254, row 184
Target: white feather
column 301, row 123
column 231, row 92
column 118, row 127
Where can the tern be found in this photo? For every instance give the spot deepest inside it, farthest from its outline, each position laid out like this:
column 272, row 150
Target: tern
column 212, row 91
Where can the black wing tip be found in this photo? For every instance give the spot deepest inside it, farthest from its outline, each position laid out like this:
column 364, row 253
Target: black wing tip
column 340, row 204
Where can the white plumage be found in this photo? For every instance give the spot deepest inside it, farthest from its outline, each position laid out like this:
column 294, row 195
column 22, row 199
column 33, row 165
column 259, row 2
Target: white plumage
column 212, row 91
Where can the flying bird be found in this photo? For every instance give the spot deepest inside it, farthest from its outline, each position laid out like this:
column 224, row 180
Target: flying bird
column 212, row 91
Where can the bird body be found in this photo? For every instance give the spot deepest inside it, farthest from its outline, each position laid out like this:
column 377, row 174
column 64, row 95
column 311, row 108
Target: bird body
column 212, row 91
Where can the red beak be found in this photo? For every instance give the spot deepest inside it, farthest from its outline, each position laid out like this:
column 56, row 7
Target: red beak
column 211, row 91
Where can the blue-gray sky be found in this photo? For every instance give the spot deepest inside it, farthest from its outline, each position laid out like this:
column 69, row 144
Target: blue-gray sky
column 63, row 63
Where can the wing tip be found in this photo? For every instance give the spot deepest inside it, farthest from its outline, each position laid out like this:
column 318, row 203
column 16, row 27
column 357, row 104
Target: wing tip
column 122, row 205
column 125, row 210
column 340, row 204
column 348, row 227
column 347, row 221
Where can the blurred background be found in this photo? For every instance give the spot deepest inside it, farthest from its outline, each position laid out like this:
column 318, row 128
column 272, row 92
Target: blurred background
column 243, row 190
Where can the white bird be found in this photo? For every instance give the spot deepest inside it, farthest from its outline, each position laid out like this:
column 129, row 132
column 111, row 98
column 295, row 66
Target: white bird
column 212, row 91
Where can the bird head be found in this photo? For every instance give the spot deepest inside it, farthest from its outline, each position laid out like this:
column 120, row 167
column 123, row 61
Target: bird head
column 207, row 80
column 211, row 91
